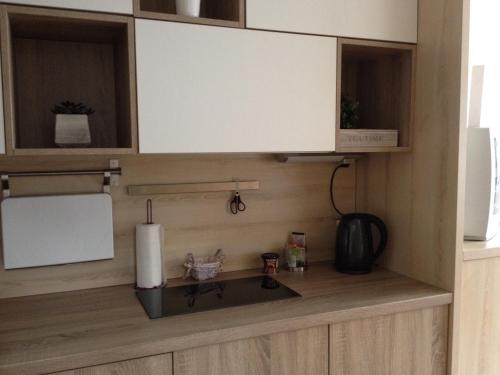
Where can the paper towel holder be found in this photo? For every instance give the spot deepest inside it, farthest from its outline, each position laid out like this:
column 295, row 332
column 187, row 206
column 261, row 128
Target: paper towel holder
column 108, row 174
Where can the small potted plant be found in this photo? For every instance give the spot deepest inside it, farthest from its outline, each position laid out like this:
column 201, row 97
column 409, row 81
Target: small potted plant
column 349, row 113
column 189, row 8
column 72, row 124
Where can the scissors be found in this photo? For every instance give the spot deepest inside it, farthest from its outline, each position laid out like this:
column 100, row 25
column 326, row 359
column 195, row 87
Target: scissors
column 237, row 204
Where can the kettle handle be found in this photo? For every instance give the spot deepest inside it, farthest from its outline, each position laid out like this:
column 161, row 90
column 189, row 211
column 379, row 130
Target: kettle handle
column 383, row 235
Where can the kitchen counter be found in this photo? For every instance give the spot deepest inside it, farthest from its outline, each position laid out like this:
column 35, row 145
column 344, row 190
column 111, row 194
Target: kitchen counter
column 55, row 332
column 474, row 250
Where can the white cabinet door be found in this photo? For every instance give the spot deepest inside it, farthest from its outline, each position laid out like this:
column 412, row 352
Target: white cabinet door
column 392, row 20
column 204, row 89
column 110, row 6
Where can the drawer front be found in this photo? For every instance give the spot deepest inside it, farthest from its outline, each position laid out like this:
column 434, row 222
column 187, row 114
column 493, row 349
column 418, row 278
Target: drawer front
column 290, row 353
column 155, row 365
column 413, row 342
column 391, row 20
column 205, row 89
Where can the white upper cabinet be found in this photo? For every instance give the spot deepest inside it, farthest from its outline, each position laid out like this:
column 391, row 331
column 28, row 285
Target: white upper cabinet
column 391, row 20
column 109, row 6
column 204, row 89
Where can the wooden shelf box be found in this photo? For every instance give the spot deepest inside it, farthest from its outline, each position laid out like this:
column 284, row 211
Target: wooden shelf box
column 228, row 13
column 52, row 56
column 380, row 76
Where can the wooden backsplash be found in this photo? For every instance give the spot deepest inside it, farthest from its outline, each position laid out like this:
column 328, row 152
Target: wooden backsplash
column 292, row 197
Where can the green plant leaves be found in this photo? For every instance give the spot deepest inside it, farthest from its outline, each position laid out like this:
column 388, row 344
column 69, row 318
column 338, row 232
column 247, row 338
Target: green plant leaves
column 71, row 108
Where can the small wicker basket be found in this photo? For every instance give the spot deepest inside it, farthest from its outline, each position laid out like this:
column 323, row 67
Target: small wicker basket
column 203, row 268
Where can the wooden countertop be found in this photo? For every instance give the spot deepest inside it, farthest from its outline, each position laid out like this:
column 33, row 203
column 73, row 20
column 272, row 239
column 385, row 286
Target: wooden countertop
column 55, row 332
column 473, row 250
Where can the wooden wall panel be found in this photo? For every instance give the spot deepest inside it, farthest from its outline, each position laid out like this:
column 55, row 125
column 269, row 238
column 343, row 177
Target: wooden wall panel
column 420, row 195
column 416, row 193
column 292, row 197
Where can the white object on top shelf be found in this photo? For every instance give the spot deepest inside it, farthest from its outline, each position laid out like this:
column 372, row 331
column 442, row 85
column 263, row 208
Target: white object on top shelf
column 482, row 185
column 190, row 8
column 204, row 89
column 390, row 20
column 109, row 6
column 48, row 230
column 72, row 130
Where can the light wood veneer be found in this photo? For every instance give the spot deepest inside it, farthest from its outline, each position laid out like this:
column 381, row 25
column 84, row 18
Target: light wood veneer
column 86, row 328
column 291, row 197
column 473, row 250
column 155, row 365
column 420, row 195
column 292, row 353
column 413, row 342
column 480, row 324
column 416, row 193
column 381, row 77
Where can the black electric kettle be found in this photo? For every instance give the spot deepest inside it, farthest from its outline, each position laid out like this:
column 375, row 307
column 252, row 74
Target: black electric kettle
column 354, row 250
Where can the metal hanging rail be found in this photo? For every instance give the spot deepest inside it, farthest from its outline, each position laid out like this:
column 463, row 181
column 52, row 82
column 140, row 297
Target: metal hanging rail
column 107, row 173
column 88, row 172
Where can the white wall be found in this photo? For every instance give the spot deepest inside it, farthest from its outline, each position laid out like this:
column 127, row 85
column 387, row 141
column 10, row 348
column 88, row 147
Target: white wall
column 484, row 51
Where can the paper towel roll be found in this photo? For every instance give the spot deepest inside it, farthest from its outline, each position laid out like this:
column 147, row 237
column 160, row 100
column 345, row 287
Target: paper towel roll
column 148, row 252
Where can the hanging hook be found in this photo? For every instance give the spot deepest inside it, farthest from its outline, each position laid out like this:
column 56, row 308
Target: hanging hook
column 149, row 211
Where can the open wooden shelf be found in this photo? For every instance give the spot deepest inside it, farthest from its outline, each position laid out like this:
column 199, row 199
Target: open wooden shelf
column 51, row 56
column 380, row 76
column 228, row 13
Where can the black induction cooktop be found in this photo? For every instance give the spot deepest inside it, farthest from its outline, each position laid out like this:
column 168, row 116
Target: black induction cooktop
column 164, row 302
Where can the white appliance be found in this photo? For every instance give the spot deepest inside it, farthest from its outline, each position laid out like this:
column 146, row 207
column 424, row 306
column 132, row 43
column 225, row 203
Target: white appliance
column 482, row 187
column 48, row 230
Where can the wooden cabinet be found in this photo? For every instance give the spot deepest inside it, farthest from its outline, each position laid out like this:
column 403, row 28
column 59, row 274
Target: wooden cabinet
column 94, row 56
column 391, row 20
column 111, row 6
column 227, row 13
column 405, row 343
column 156, row 365
column 205, row 89
column 291, row 353
column 412, row 342
column 380, row 78
column 480, row 317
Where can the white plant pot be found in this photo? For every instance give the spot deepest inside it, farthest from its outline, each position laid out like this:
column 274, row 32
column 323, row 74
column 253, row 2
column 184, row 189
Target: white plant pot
column 72, row 130
column 189, row 8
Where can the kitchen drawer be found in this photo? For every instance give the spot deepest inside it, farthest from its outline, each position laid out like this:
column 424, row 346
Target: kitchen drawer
column 290, row 353
column 155, row 365
column 390, row 20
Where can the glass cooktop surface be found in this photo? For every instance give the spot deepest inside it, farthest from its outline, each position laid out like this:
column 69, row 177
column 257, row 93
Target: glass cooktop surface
column 164, row 302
